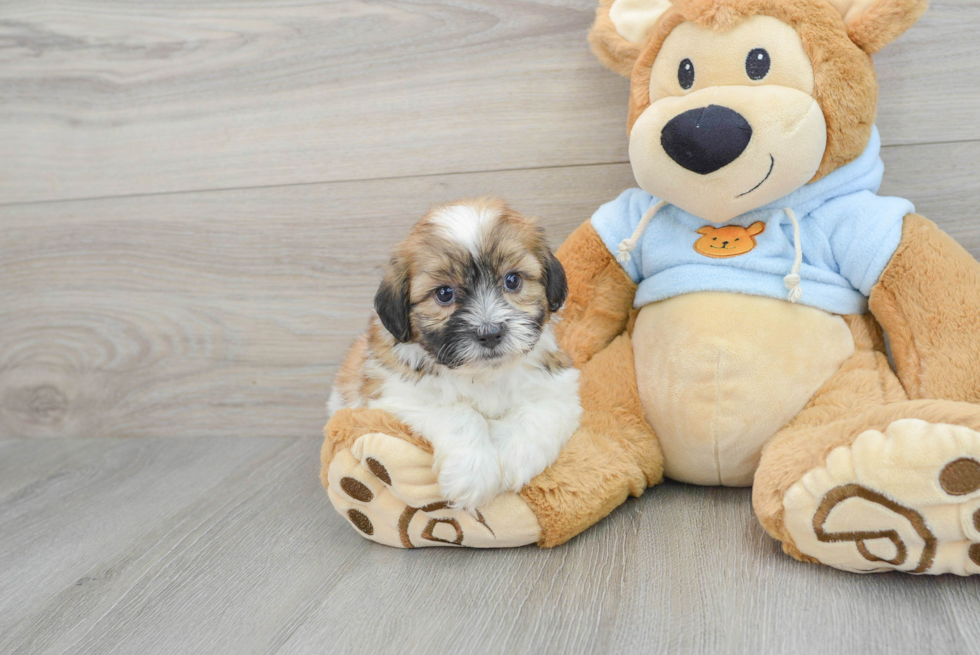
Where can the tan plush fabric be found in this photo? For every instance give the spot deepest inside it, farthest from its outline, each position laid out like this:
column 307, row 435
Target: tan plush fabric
column 714, row 392
column 873, row 25
column 928, row 301
column 614, row 454
column 348, row 425
column 600, row 295
column 634, row 18
column 719, row 58
column 616, row 52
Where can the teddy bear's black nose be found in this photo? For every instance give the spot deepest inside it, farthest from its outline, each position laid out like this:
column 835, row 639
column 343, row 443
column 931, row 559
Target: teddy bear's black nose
column 705, row 139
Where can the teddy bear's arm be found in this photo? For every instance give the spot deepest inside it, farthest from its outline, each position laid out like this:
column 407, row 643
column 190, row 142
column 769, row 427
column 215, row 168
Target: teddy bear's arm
column 600, row 295
column 928, row 302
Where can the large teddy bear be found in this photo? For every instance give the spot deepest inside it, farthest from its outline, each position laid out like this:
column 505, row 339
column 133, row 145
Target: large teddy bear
column 729, row 317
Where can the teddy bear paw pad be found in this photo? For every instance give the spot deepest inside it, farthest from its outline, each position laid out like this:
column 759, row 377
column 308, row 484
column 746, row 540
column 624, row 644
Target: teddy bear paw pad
column 906, row 499
column 387, row 490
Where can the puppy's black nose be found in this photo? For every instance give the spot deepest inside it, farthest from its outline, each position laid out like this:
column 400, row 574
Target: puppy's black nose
column 490, row 336
column 706, row 139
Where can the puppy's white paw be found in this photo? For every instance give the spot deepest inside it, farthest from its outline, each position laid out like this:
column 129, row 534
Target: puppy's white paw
column 470, row 478
column 521, row 461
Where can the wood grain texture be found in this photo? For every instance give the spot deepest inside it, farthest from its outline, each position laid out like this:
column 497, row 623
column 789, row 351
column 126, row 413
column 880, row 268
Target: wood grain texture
column 222, row 545
column 120, row 97
column 226, row 313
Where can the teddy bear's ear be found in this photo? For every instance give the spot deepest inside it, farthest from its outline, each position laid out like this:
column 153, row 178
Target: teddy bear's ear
column 621, row 28
column 756, row 228
column 873, row 24
column 707, row 229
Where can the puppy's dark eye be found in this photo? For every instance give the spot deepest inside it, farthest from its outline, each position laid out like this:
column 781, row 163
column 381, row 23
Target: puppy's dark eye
column 513, row 281
column 757, row 64
column 445, row 295
column 685, row 74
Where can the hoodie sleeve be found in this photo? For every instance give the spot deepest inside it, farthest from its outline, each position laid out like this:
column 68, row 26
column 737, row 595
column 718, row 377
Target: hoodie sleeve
column 616, row 220
column 864, row 232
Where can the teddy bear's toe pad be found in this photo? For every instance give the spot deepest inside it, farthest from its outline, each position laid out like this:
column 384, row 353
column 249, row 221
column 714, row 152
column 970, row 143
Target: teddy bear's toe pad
column 905, row 499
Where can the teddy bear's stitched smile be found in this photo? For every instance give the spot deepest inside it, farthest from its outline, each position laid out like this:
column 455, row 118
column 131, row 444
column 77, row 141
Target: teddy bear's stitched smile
column 772, row 163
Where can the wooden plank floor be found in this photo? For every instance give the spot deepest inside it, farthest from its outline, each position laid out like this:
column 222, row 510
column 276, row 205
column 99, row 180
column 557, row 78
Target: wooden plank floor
column 196, row 197
column 227, row 545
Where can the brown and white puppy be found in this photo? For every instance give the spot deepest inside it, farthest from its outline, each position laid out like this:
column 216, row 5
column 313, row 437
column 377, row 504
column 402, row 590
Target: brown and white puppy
column 461, row 349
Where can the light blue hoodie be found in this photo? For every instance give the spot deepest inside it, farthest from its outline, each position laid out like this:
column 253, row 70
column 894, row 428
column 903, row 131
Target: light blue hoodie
column 847, row 232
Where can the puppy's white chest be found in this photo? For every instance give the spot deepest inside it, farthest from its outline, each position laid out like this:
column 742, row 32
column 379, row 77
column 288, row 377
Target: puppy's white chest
column 492, row 398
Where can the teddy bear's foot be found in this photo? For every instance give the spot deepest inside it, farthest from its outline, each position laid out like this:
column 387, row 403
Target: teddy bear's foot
column 386, row 488
column 906, row 499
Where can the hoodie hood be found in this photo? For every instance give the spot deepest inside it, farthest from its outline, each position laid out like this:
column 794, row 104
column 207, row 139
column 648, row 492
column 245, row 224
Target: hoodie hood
column 863, row 174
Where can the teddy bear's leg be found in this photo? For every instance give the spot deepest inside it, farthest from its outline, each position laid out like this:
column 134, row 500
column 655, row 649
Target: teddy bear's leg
column 614, row 454
column 864, row 479
column 928, row 302
column 600, row 295
column 379, row 475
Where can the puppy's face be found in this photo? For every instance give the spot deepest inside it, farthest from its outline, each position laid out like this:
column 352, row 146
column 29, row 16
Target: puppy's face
column 473, row 285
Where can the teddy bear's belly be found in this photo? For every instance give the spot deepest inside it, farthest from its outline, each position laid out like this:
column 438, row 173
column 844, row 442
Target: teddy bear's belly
column 721, row 373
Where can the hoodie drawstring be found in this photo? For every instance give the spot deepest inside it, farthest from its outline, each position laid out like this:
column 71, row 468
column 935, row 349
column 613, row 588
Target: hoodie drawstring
column 628, row 245
column 792, row 281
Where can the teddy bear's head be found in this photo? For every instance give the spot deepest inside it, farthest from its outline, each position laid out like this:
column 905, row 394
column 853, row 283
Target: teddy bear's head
column 736, row 103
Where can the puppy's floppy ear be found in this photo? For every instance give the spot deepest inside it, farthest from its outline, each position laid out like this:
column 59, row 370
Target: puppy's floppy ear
column 393, row 303
column 555, row 283
column 620, row 30
column 873, row 24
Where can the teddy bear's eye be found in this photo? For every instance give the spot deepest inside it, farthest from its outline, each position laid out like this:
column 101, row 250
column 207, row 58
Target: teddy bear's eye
column 757, row 64
column 738, row 239
column 685, row 74
column 714, row 238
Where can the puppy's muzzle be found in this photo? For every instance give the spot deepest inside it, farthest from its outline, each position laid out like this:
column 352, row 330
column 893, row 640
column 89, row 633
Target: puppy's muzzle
column 705, row 139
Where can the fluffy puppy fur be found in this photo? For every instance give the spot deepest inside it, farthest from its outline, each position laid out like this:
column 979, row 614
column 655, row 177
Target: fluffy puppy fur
column 461, row 348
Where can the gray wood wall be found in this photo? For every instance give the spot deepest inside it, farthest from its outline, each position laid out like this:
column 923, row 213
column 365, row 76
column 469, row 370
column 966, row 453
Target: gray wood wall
column 196, row 196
